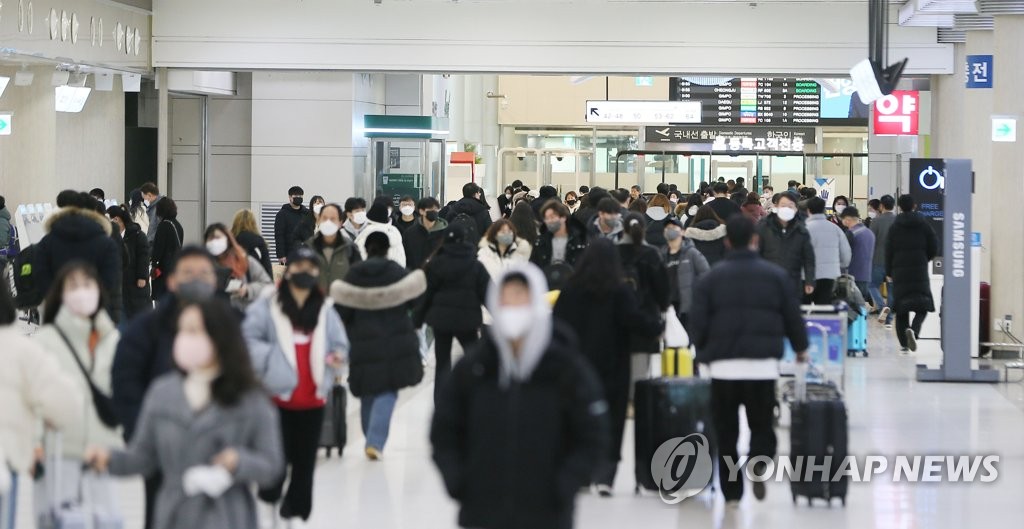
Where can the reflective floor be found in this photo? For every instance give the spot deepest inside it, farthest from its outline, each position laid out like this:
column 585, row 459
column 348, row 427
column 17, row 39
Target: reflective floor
column 890, row 414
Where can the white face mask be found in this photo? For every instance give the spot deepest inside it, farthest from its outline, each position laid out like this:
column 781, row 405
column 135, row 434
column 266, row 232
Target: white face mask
column 513, row 322
column 674, row 200
column 328, row 228
column 317, row 209
column 407, row 210
column 83, row 302
column 872, row 214
column 839, row 209
column 786, row 214
column 145, row 203
column 217, row 245
column 359, row 217
column 657, row 214
column 692, row 211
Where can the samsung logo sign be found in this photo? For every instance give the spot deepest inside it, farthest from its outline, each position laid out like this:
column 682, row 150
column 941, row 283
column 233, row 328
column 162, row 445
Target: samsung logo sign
column 959, row 244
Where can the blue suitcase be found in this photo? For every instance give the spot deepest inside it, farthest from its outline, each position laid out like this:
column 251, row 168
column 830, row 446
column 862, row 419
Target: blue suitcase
column 857, row 337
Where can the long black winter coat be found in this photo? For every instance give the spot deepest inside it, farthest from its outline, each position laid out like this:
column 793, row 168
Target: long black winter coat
column 910, row 247
column 655, row 233
column 514, row 458
column 420, row 243
column 256, row 247
column 285, row 224
column 166, row 245
column 83, row 235
column 647, row 273
column 135, row 257
column 791, row 248
column 457, row 285
column 384, row 354
column 476, row 210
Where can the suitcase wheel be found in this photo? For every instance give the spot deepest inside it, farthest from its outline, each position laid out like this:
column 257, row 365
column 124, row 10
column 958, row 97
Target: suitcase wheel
column 328, row 450
column 843, row 499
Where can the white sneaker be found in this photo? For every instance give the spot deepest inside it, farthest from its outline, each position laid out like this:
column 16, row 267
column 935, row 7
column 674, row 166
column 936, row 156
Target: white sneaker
column 883, row 314
column 266, row 515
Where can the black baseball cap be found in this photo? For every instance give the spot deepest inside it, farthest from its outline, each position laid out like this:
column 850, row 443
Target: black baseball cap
column 303, row 253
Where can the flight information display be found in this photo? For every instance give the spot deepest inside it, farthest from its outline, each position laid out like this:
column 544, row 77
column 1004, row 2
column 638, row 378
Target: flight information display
column 771, row 101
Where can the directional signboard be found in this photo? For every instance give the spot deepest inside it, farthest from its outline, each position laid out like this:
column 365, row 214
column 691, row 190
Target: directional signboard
column 643, row 112
column 1004, row 129
column 6, row 123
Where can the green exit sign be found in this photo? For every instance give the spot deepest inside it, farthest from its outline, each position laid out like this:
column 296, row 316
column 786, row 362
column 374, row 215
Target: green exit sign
column 6, row 124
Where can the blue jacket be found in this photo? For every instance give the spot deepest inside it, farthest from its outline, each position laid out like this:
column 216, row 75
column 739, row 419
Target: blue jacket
column 863, row 253
column 269, row 334
column 745, row 308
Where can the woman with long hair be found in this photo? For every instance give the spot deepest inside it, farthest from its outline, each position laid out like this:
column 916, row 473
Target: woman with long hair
column 135, row 292
column 207, row 428
column 572, row 201
column 166, row 244
column 305, row 229
column 297, row 343
column 604, row 310
column 137, row 210
column 525, row 221
column 247, row 233
column 79, row 334
column 500, row 248
column 707, row 231
column 246, row 277
column 752, row 207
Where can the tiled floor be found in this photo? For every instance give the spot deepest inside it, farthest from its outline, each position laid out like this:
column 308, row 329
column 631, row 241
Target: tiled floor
column 890, row 414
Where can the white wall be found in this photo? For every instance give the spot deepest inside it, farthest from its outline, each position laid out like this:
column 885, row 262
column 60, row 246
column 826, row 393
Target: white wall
column 557, row 100
column 818, row 38
column 229, row 176
column 50, row 151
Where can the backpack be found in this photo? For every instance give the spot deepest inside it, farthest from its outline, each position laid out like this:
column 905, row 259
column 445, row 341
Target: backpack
column 27, row 294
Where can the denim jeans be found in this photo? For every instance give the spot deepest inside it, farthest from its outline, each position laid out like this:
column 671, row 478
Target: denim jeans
column 376, row 417
column 9, row 504
column 877, row 278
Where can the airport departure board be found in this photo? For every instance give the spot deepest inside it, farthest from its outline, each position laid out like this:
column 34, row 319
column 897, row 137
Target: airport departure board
column 771, row 101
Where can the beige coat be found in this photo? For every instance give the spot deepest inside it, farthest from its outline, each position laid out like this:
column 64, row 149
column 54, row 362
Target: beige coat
column 93, row 431
column 32, row 387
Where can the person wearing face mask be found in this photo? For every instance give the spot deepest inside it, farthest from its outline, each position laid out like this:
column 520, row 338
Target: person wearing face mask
column 426, row 235
column 378, row 220
column 355, row 217
column 528, row 389
column 563, row 241
column 499, row 248
column 81, row 337
column 137, row 211
column 246, row 278
column 374, row 301
column 206, row 427
column 658, row 211
column 692, row 206
column 166, row 244
column 135, row 258
column 831, row 252
column 839, row 204
column 708, row 234
column 607, row 224
column 525, row 222
column 144, row 352
column 785, row 241
column 572, row 202
column 247, row 233
column 307, row 228
column 685, row 266
column 335, row 253
column 298, row 344
column 766, row 198
column 874, row 206
column 151, row 197
column 456, row 287
column 603, row 310
column 287, row 220
column 505, row 202
column 406, row 214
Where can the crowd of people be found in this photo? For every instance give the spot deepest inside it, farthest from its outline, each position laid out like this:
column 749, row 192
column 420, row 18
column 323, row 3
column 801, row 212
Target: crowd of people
column 192, row 366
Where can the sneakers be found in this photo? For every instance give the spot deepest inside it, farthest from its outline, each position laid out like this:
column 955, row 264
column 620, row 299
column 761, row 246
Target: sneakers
column 888, row 326
column 758, row 486
column 372, row 453
column 604, row 491
column 267, row 515
column 911, row 340
column 883, row 315
column 732, row 504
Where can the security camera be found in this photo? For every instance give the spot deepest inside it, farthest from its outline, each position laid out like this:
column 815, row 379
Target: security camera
column 559, row 158
column 521, row 157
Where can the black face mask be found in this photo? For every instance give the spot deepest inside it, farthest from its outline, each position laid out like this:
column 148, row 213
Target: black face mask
column 304, row 280
column 195, row 291
column 431, row 216
column 296, row 201
column 570, row 202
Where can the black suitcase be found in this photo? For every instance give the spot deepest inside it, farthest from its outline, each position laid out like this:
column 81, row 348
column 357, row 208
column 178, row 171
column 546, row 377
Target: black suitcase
column 819, row 429
column 665, row 408
column 334, row 432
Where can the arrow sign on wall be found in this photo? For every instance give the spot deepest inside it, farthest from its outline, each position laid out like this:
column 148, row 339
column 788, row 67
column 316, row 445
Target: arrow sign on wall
column 1004, row 129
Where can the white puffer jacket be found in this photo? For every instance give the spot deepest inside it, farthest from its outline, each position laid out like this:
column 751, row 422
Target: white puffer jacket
column 495, row 264
column 92, row 432
column 33, row 387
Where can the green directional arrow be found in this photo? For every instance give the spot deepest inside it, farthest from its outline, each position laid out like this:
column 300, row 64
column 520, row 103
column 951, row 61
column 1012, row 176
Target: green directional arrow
column 1002, row 130
column 3, row 124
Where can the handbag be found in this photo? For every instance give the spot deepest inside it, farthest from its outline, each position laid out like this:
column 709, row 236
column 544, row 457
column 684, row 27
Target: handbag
column 104, row 405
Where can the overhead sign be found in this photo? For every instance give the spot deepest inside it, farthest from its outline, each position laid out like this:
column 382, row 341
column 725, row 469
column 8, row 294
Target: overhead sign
column 979, row 71
column 6, row 123
column 643, row 112
column 928, row 187
column 772, row 101
column 898, row 114
column 1004, row 129
column 735, row 138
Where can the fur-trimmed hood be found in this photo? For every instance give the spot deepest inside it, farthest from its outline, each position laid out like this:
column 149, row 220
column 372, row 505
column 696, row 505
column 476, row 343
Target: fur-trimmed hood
column 366, row 291
column 78, row 223
column 705, row 235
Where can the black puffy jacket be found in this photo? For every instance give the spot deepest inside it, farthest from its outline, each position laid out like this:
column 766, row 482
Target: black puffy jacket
column 910, row 247
column 789, row 248
column 79, row 235
column 514, row 458
column 542, row 251
column 647, row 273
column 709, row 238
column 476, row 210
column 374, row 301
column 457, row 285
column 135, row 257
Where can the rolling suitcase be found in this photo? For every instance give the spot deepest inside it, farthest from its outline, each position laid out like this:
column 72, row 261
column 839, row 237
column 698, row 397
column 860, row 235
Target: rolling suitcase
column 665, row 408
column 334, row 433
column 857, row 337
column 677, row 362
column 818, row 429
